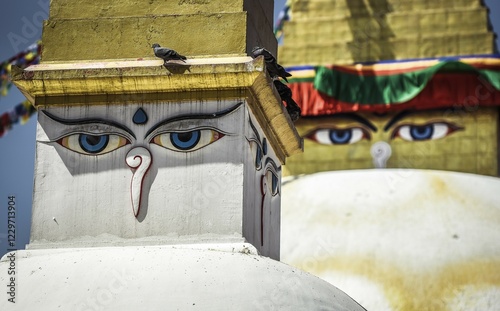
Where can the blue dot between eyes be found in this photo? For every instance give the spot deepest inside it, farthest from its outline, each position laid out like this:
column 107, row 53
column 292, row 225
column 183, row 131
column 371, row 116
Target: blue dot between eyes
column 140, row 117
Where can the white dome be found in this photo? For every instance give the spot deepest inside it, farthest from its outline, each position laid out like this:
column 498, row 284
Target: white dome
column 181, row 277
column 397, row 239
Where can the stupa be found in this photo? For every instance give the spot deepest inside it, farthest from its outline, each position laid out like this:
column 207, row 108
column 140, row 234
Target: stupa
column 396, row 84
column 158, row 185
column 396, row 185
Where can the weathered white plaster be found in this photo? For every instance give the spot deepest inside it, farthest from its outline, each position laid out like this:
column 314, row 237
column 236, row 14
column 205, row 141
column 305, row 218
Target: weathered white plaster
column 194, row 277
column 472, row 298
column 183, row 193
column 430, row 230
column 139, row 189
column 373, row 294
column 260, row 204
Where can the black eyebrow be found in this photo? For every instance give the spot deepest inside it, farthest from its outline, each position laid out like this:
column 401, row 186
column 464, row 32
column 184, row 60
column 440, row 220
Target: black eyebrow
column 406, row 113
column 396, row 118
column 273, row 164
column 88, row 121
column 195, row 116
column 254, row 130
column 351, row 116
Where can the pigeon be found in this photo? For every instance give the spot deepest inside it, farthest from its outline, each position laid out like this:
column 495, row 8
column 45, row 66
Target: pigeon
column 286, row 96
column 275, row 70
column 167, row 54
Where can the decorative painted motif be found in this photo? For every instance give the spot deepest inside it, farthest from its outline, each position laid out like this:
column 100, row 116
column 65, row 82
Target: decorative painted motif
column 259, row 146
column 269, row 179
column 444, row 139
column 395, row 86
column 138, row 159
column 396, row 126
column 140, row 117
column 423, row 109
column 98, row 137
column 92, row 136
column 381, row 152
column 352, row 128
column 196, row 168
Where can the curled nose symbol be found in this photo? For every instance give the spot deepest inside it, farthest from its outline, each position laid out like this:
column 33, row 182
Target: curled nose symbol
column 139, row 159
column 381, row 152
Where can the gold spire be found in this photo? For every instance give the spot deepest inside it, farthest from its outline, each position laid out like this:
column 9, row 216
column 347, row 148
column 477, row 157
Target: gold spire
column 346, row 31
column 126, row 29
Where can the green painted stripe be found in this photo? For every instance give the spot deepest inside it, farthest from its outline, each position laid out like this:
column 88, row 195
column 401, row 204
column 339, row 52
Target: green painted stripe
column 388, row 89
column 299, row 80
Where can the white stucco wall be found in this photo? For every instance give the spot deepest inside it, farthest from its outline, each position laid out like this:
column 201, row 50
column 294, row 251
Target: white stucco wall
column 212, row 193
column 197, row 193
column 406, row 240
column 259, row 199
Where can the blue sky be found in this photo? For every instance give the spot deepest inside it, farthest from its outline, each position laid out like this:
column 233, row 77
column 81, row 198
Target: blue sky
column 20, row 26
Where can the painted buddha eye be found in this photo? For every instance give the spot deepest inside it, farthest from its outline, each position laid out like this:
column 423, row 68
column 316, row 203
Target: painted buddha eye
column 338, row 136
column 187, row 141
column 272, row 182
column 429, row 131
column 258, row 158
column 259, row 149
column 89, row 144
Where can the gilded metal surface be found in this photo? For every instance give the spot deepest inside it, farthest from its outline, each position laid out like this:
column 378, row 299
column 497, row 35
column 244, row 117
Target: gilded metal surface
column 132, row 37
column 95, row 29
column 343, row 32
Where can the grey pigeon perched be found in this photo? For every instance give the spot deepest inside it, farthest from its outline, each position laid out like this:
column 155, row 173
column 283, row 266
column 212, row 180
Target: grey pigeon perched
column 274, row 69
column 286, row 96
column 167, row 54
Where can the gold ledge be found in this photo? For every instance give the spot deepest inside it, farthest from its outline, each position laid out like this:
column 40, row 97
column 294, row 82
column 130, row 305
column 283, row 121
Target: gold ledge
column 273, row 117
column 134, row 77
column 118, row 82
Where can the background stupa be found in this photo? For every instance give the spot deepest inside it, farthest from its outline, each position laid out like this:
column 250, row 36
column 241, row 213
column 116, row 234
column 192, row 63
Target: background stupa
column 400, row 102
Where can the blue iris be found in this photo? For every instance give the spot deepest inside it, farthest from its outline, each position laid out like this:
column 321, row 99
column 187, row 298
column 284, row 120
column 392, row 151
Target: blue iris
column 275, row 184
column 341, row 136
column 185, row 141
column 93, row 144
column 423, row 132
column 258, row 158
